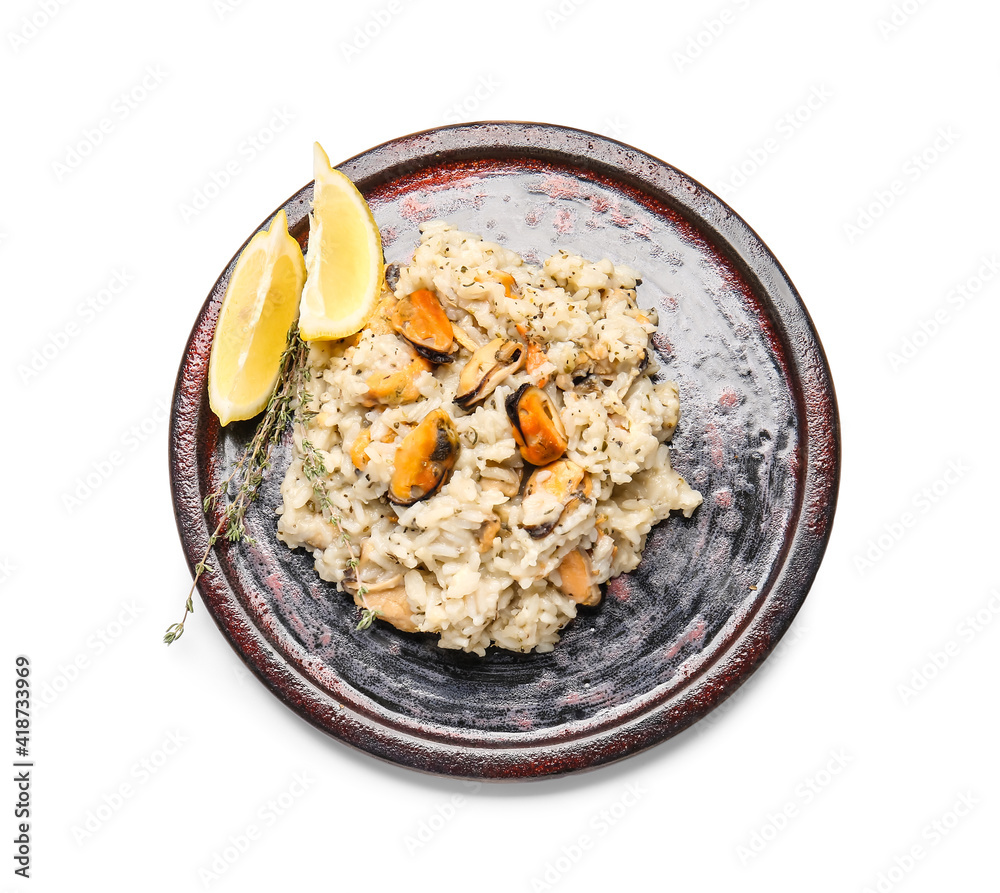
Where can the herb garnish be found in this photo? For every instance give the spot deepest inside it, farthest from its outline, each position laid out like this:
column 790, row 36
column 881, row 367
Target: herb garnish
column 315, row 471
column 248, row 473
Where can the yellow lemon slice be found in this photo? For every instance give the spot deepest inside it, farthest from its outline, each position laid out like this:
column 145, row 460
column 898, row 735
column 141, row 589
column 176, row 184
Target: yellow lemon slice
column 258, row 309
column 344, row 259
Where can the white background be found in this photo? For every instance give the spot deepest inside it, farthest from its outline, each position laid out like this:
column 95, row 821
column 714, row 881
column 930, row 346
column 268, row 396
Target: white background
column 862, row 756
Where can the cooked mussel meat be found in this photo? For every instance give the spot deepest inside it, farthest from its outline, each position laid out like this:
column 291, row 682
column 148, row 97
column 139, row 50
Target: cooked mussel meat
column 577, row 578
column 392, row 272
column 421, row 320
column 486, row 369
column 396, row 388
column 538, row 428
column 380, row 588
column 551, row 491
column 424, row 459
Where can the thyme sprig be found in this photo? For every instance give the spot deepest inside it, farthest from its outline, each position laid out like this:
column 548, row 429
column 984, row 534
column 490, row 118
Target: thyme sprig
column 248, row 472
column 314, row 469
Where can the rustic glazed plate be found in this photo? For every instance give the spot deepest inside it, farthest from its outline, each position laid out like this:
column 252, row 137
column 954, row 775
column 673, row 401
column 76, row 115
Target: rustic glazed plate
column 759, row 437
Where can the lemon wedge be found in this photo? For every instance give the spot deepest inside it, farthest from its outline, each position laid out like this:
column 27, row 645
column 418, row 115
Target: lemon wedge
column 344, row 259
column 259, row 307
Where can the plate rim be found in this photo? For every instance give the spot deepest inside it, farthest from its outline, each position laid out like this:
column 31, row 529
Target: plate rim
column 499, row 756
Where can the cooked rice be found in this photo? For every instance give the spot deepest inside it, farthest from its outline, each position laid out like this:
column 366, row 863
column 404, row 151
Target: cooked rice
column 508, row 595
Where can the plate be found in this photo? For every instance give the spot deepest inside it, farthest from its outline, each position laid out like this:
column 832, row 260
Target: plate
column 759, row 437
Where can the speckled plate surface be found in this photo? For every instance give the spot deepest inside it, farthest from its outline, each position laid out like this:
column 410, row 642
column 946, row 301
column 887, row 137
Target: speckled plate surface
column 759, row 436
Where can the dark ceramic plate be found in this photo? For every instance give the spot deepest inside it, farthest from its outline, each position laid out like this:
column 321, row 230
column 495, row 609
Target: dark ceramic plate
column 759, row 437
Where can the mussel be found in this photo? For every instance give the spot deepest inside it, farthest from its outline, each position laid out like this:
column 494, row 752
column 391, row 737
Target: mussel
column 396, row 388
column 421, row 320
column 551, row 491
column 577, row 578
column 489, row 366
column 534, row 359
column 380, row 589
column 379, row 323
column 424, row 459
column 488, row 532
column 392, row 272
column 357, row 451
column 503, row 480
column 538, row 428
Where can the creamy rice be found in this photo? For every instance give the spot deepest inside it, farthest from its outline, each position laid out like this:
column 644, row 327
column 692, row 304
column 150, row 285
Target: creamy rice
column 460, row 563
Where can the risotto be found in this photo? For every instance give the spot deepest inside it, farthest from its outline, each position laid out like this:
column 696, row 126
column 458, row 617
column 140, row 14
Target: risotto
column 493, row 444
